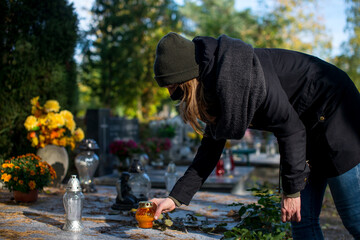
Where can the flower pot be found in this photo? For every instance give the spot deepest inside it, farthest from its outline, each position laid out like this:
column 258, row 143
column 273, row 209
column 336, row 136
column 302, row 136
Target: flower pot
column 58, row 158
column 31, row 196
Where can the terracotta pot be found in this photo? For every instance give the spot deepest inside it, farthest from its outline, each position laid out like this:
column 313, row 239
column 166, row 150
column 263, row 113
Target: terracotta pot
column 31, row 196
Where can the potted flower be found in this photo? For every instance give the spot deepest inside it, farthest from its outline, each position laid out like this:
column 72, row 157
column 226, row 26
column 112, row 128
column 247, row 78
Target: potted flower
column 195, row 139
column 51, row 130
column 25, row 175
column 154, row 148
column 124, row 150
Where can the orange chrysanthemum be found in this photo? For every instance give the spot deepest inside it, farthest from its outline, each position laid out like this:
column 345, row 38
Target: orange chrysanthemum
column 32, row 185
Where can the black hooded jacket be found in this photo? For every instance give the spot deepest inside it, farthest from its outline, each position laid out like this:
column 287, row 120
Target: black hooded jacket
column 311, row 106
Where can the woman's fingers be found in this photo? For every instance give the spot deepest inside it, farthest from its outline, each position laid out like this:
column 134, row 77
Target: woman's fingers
column 283, row 215
column 163, row 205
column 297, row 216
column 158, row 207
column 290, row 209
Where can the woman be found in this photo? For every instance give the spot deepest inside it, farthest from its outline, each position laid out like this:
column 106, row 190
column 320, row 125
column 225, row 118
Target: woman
column 312, row 107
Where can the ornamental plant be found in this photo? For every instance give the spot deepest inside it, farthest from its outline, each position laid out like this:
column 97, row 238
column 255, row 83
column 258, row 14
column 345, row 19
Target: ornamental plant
column 154, row 146
column 261, row 220
column 195, row 137
column 48, row 125
column 26, row 172
column 124, row 149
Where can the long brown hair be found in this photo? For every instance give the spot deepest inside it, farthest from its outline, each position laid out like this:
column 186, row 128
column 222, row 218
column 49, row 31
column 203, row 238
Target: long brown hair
column 193, row 106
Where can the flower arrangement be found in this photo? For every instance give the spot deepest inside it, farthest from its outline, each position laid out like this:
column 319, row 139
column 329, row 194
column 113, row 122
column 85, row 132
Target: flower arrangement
column 154, row 146
column 195, row 137
column 49, row 125
column 26, row 172
column 124, row 149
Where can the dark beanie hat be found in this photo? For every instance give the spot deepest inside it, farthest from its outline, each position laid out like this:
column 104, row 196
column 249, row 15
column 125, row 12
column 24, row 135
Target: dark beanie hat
column 175, row 60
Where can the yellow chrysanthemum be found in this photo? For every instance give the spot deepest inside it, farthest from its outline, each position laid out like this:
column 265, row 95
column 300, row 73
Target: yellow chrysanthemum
column 33, row 110
column 52, row 106
column 42, row 138
column 31, row 123
column 55, row 141
column 69, row 120
column 67, row 115
column 34, row 141
column 62, row 142
column 15, row 179
column 79, row 135
column 191, row 135
column 55, row 120
column 34, row 100
column 21, row 182
column 42, row 120
column 71, row 125
column 32, row 185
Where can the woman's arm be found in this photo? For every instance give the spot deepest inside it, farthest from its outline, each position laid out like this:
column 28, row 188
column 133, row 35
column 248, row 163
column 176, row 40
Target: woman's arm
column 204, row 163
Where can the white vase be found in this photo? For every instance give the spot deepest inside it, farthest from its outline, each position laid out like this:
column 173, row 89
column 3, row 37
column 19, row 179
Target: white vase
column 58, row 158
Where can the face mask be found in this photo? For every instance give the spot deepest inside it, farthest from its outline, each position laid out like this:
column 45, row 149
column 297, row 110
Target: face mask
column 178, row 94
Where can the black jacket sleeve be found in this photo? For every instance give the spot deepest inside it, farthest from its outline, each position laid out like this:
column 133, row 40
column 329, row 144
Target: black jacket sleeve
column 203, row 164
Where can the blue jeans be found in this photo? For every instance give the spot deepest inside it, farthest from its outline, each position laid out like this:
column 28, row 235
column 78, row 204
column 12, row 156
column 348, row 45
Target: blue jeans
column 345, row 190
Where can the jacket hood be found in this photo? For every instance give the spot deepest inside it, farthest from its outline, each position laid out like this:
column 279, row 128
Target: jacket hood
column 232, row 75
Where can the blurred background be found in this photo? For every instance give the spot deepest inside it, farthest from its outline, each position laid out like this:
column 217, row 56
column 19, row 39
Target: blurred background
column 99, row 54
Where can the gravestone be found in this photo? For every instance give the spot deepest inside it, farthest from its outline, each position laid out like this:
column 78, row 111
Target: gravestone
column 104, row 129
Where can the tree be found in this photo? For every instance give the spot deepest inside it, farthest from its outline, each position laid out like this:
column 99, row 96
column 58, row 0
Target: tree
column 285, row 24
column 118, row 62
column 216, row 17
column 37, row 41
column 349, row 60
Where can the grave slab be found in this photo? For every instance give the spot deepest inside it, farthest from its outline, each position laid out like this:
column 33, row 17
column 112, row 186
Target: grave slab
column 45, row 218
column 230, row 183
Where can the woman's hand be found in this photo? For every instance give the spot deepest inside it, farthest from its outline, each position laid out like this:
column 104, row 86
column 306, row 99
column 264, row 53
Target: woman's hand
column 290, row 209
column 163, row 205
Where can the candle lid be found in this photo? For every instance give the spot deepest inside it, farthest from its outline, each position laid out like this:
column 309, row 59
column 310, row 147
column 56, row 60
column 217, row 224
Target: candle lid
column 171, row 168
column 88, row 144
column 73, row 184
column 145, row 204
column 136, row 166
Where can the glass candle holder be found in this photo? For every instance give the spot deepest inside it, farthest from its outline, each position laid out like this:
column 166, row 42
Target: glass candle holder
column 145, row 214
column 139, row 181
column 73, row 200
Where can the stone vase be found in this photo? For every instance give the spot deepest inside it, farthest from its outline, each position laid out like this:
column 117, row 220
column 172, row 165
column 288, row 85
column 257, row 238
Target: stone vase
column 58, row 158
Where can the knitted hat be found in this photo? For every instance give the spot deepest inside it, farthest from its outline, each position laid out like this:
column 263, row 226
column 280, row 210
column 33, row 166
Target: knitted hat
column 175, row 60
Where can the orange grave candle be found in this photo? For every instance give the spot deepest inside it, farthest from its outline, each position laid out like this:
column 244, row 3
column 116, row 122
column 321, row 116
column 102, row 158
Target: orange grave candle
column 145, row 214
